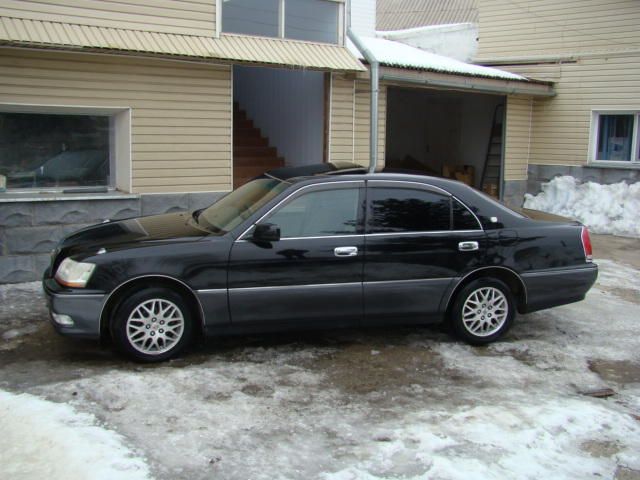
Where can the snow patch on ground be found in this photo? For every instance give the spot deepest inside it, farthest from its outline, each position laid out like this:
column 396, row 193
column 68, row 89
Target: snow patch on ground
column 42, row 439
column 545, row 439
column 609, row 209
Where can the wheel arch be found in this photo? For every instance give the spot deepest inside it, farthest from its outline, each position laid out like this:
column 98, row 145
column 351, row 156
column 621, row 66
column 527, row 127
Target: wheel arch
column 144, row 281
column 506, row 275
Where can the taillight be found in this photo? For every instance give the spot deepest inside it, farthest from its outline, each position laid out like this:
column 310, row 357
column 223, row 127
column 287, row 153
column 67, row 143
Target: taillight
column 586, row 244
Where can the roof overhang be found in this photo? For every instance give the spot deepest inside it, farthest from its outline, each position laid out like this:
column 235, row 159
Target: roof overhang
column 228, row 48
column 449, row 81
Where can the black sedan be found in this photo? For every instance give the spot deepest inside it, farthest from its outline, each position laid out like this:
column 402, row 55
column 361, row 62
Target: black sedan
column 332, row 249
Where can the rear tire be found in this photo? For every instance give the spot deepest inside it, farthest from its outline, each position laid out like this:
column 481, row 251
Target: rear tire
column 483, row 311
column 152, row 325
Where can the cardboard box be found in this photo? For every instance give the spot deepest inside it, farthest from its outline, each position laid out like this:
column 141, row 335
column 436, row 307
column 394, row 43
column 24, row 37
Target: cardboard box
column 462, row 173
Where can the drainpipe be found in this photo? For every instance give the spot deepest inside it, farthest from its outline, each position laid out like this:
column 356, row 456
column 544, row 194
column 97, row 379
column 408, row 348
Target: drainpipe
column 375, row 77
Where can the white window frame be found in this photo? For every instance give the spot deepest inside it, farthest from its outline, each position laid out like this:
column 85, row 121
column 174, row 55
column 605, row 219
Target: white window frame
column 281, row 24
column 634, row 162
column 120, row 171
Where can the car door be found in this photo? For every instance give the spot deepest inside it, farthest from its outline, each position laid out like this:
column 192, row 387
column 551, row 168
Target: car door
column 314, row 272
column 414, row 250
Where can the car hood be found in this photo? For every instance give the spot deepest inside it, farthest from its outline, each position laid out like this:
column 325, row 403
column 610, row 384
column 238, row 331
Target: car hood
column 124, row 233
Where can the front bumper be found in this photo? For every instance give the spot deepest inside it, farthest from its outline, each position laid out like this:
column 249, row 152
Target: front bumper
column 84, row 309
column 558, row 286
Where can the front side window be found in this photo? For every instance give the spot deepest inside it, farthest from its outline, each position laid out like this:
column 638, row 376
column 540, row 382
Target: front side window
column 398, row 210
column 55, row 151
column 617, row 137
column 311, row 20
column 319, row 214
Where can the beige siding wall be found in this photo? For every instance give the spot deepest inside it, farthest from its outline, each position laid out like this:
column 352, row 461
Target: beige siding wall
column 362, row 122
column 548, row 27
column 561, row 125
column 350, row 114
column 189, row 17
column 518, row 130
column 341, row 131
column 181, row 112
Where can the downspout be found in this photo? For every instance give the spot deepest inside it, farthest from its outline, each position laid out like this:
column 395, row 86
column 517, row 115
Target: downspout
column 375, row 80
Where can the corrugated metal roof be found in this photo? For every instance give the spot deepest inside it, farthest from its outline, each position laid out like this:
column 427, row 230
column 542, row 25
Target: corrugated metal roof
column 396, row 54
column 402, row 14
column 236, row 48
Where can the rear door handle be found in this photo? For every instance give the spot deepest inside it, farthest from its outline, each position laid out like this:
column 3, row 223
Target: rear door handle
column 468, row 246
column 345, row 251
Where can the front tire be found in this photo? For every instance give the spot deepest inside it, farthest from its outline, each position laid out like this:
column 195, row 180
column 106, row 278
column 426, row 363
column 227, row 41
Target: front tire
column 483, row 311
column 152, row 325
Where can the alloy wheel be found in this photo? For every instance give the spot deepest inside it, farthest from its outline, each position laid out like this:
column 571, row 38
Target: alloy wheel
column 155, row 326
column 485, row 311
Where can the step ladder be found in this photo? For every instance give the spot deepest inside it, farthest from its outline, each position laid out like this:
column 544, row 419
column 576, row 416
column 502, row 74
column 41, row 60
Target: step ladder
column 490, row 182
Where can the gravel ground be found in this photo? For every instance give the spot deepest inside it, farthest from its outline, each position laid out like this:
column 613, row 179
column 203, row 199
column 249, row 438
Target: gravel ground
column 356, row 404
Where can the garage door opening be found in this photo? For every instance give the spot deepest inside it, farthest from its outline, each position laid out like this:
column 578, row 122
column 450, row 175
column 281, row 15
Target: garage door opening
column 447, row 133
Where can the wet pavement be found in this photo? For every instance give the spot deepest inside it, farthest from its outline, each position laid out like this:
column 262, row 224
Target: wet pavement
column 345, row 404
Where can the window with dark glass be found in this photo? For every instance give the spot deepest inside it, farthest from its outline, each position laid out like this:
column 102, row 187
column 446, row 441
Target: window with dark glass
column 50, row 150
column 615, row 137
column 463, row 219
column 312, row 20
column 317, row 214
column 251, row 17
column 395, row 210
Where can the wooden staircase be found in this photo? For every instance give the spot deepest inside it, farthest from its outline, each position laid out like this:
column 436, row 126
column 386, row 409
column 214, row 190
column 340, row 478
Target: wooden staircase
column 252, row 155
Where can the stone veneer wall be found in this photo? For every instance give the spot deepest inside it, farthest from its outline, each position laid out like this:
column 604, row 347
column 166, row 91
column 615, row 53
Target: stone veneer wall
column 514, row 191
column 539, row 174
column 29, row 230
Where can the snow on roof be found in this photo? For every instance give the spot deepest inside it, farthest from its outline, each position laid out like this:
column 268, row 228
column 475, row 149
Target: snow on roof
column 396, row 54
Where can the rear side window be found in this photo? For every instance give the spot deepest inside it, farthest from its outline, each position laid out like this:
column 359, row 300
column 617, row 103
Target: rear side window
column 463, row 219
column 393, row 210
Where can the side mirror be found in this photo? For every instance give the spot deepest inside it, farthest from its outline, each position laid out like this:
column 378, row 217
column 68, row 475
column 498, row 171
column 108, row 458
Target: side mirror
column 266, row 232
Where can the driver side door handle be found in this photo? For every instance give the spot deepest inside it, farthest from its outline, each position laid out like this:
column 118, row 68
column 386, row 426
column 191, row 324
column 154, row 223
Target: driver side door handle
column 345, row 251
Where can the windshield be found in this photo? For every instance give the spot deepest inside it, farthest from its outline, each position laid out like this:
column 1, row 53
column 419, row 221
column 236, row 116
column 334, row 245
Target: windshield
column 235, row 207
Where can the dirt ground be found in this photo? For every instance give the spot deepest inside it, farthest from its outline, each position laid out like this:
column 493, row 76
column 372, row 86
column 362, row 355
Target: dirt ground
column 384, row 403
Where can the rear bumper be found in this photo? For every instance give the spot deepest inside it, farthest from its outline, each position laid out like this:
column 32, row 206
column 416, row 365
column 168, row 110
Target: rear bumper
column 558, row 286
column 82, row 308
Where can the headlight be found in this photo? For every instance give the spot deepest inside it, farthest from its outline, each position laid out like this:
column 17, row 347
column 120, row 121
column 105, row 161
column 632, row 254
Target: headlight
column 74, row 274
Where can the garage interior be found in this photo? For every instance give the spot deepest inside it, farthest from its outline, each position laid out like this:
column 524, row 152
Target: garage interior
column 447, row 133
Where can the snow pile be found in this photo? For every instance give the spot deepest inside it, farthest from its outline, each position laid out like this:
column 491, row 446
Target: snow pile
column 42, row 439
column 610, row 209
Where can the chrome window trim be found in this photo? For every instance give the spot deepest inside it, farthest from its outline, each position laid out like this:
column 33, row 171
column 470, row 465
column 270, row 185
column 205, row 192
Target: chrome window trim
column 108, row 297
column 356, row 235
column 409, row 182
column 346, row 182
column 430, row 232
